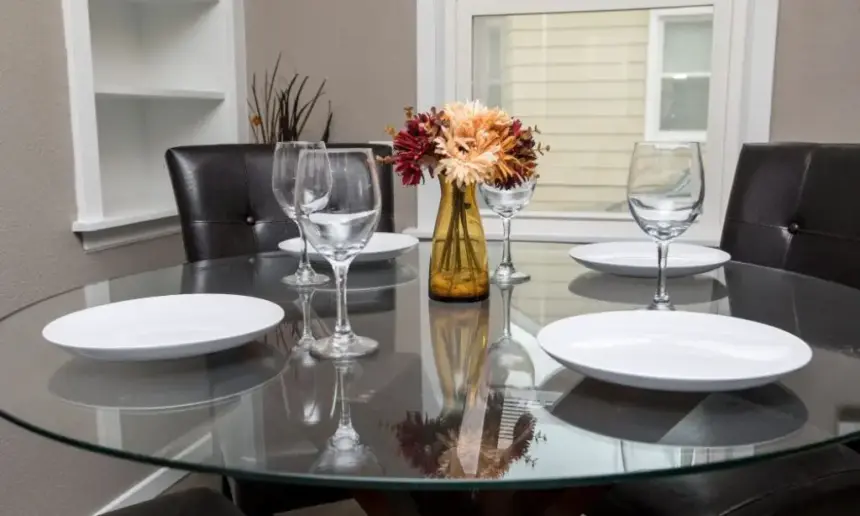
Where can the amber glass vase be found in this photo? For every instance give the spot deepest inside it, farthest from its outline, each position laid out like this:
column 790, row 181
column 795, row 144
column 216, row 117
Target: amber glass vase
column 458, row 261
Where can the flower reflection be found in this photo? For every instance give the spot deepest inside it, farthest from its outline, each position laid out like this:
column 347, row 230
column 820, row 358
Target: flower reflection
column 482, row 441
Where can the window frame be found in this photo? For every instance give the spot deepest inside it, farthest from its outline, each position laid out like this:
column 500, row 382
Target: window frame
column 654, row 74
column 739, row 111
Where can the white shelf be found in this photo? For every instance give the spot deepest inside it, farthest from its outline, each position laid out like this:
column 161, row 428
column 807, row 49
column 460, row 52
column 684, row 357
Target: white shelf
column 145, row 76
column 126, row 219
column 158, row 93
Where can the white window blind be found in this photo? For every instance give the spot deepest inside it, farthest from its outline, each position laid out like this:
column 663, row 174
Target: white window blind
column 583, row 79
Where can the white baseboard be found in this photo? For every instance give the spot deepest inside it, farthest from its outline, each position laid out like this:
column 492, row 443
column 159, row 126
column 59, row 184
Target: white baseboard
column 162, row 479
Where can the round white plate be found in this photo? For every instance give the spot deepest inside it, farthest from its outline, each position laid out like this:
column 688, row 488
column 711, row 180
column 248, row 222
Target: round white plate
column 157, row 328
column 639, row 259
column 674, row 351
column 380, row 247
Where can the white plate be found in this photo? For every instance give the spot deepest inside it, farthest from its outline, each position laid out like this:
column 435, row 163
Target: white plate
column 674, row 351
column 639, row 259
column 380, row 247
column 157, row 328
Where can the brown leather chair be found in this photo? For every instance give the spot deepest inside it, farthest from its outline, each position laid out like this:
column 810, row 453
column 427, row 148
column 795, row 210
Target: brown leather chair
column 226, row 204
column 227, row 208
column 796, row 207
column 194, row 502
column 793, row 206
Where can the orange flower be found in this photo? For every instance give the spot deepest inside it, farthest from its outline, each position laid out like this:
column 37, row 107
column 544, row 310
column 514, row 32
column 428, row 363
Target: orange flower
column 471, row 142
column 256, row 120
column 468, row 143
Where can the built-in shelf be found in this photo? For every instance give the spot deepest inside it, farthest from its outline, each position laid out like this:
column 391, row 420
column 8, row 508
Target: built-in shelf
column 126, row 219
column 145, row 76
column 158, row 93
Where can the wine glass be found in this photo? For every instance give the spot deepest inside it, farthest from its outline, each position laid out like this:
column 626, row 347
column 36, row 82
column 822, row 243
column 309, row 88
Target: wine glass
column 506, row 203
column 286, row 160
column 344, row 453
column 338, row 202
column 665, row 192
column 510, row 363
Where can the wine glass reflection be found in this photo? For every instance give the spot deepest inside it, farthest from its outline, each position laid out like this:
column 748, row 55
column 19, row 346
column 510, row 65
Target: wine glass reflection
column 344, row 453
column 510, row 363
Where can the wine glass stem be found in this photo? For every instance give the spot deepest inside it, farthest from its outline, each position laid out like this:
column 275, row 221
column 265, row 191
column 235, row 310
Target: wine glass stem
column 662, row 297
column 344, row 424
column 306, row 315
column 506, row 244
column 506, row 312
column 304, row 263
column 342, row 326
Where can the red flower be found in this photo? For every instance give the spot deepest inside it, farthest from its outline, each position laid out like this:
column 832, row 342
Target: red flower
column 414, row 146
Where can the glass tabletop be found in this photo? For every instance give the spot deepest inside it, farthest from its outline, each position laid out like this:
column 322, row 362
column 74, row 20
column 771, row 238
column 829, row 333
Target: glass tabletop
column 444, row 404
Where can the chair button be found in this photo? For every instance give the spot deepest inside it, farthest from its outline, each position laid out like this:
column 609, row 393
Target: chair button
column 250, row 220
column 793, row 228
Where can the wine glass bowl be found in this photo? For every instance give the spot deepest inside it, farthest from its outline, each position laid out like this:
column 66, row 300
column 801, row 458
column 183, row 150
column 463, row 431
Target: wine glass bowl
column 284, row 178
column 665, row 193
column 339, row 203
column 507, row 203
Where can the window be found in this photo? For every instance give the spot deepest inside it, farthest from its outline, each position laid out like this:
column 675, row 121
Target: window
column 596, row 76
column 679, row 74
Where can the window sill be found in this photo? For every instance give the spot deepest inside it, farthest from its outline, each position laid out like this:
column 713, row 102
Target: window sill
column 574, row 232
column 108, row 233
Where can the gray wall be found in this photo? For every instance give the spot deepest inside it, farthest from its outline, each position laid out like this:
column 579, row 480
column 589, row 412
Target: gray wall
column 817, row 83
column 366, row 49
column 38, row 253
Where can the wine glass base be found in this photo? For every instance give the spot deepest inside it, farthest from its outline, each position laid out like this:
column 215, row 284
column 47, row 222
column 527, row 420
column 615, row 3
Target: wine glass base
column 513, row 278
column 306, row 343
column 664, row 306
column 354, row 347
column 306, row 280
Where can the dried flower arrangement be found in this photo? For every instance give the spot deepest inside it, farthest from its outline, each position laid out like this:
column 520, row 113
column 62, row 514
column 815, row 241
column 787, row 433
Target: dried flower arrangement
column 467, row 143
column 433, row 445
column 464, row 144
column 281, row 116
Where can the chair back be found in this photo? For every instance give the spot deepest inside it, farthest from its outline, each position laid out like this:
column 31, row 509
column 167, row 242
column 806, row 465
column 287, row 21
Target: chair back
column 226, row 204
column 796, row 207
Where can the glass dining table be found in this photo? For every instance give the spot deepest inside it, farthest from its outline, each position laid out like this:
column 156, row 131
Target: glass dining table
column 459, row 397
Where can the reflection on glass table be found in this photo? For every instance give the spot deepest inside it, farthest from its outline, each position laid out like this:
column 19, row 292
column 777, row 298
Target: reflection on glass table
column 344, row 453
column 167, row 385
column 509, row 361
column 500, row 421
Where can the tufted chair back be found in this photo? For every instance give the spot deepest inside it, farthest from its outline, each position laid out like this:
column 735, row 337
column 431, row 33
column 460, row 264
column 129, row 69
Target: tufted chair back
column 796, row 207
column 226, row 204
